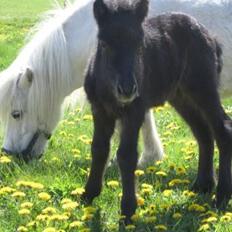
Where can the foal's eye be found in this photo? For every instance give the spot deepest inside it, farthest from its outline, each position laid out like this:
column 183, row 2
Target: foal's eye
column 16, row 114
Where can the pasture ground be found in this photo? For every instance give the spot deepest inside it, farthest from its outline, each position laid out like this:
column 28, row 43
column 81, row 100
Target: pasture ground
column 44, row 195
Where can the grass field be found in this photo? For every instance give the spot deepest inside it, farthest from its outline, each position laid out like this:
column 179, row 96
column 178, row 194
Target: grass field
column 44, row 195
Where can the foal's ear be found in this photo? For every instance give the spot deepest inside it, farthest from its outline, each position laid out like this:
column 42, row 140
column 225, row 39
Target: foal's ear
column 100, row 11
column 25, row 79
column 141, row 9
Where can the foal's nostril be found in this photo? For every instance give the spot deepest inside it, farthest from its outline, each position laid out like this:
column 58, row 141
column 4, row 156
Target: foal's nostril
column 127, row 90
column 120, row 90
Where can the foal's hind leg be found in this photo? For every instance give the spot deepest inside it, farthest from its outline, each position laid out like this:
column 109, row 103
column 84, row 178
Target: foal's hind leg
column 208, row 102
column 205, row 178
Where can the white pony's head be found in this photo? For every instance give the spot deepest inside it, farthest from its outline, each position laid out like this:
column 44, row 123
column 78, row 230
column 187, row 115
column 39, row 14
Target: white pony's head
column 33, row 88
column 25, row 135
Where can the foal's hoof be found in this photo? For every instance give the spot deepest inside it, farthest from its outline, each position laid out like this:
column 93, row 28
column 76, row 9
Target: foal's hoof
column 204, row 185
column 222, row 198
column 86, row 199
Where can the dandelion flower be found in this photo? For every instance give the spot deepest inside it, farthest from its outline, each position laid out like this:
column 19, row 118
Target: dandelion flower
column 161, row 227
column 113, row 184
column 18, row 194
column 204, row 227
column 167, row 192
column 6, row 190
column 5, row 160
column 87, row 217
column 49, row 210
column 140, row 201
column 50, row 229
column 76, row 224
column 150, row 219
column 44, row 196
column 177, row 216
column 26, row 205
column 196, row 207
column 24, row 212
column 130, row 227
column 70, row 206
column 161, row 173
column 78, row 191
column 139, row 172
column 225, row 218
column 22, row 229
column 89, row 210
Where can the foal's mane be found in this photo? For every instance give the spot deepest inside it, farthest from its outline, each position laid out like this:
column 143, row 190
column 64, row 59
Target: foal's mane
column 47, row 55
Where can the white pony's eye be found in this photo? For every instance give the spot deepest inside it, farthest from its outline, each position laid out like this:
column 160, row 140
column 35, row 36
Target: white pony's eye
column 17, row 114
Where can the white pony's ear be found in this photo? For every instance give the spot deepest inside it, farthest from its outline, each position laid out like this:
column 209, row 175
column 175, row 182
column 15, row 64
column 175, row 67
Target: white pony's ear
column 26, row 78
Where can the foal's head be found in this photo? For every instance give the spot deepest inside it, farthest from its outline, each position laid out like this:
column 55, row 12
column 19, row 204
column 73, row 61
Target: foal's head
column 120, row 39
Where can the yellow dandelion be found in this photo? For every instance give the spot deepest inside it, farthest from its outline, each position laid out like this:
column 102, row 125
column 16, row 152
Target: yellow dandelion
column 65, row 201
column 174, row 182
column 24, row 212
column 113, row 184
column 130, row 227
column 159, row 162
column 177, row 216
column 151, row 169
column 140, row 201
column 88, row 117
column 70, row 206
column 146, row 186
column 58, row 217
column 26, row 205
column 87, row 217
column 139, row 172
column 150, row 219
column 161, row 173
column 49, row 210
column 225, row 218
column 180, row 171
column 161, row 227
column 209, row 220
column 5, row 160
column 44, row 196
column 42, row 217
column 76, row 224
column 89, row 210
column 196, row 207
column 31, row 224
column 22, row 229
column 30, row 184
column 167, row 192
column 6, row 190
column 50, row 229
column 18, row 194
column 85, row 230
column 204, row 227
column 189, row 193
column 135, row 217
column 78, row 191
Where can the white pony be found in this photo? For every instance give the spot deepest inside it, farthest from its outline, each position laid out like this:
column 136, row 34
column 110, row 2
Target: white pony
column 51, row 66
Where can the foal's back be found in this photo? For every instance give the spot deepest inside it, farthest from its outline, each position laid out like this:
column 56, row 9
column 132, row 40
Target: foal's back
column 178, row 53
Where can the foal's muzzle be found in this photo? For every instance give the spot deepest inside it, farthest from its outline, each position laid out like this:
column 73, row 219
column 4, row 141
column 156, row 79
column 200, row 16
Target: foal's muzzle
column 127, row 93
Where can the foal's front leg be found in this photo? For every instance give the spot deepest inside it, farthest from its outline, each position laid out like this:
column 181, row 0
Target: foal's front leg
column 103, row 130
column 127, row 156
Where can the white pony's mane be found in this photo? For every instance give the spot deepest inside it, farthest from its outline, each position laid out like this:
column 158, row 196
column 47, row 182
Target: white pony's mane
column 47, row 55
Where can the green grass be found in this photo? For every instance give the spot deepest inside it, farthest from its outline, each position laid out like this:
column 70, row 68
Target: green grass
column 65, row 164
